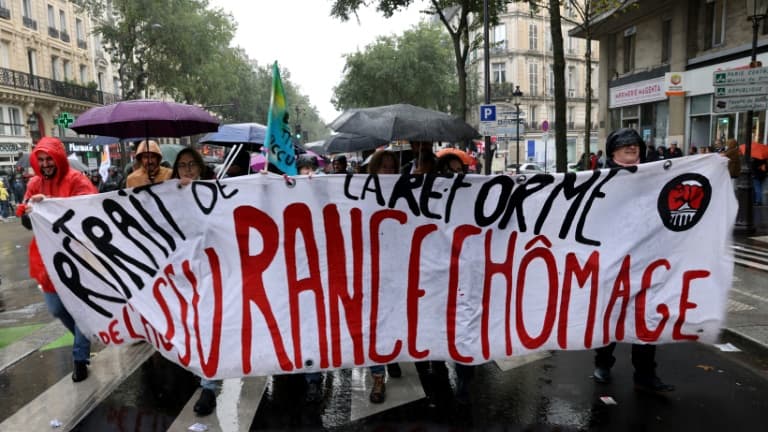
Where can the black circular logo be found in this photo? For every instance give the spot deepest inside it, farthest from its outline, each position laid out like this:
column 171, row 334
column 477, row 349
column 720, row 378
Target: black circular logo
column 683, row 201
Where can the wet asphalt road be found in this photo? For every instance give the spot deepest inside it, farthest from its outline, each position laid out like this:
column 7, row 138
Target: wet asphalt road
column 715, row 390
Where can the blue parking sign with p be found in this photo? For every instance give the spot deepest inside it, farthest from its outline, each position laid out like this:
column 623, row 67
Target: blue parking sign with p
column 487, row 112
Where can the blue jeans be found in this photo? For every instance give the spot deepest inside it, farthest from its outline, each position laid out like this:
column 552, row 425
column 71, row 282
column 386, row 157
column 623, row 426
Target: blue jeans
column 4, row 209
column 758, row 187
column 377, row 369
column 81, row 349
column 212, row 385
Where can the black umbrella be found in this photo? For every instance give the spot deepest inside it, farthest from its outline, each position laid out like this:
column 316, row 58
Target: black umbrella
column 349, row 143
column 403, row 122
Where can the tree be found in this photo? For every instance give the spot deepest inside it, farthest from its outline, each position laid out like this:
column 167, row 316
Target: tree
column 163, row 45
column 587, row 11
column 455, row 17
column 415, row 68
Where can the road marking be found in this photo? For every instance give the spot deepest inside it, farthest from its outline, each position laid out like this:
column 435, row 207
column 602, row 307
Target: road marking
column 70, row 402
column 400, row 391
column 750, row 295
column 513, row 362
column 236, row 406
column 25, row 346
column 735, row 306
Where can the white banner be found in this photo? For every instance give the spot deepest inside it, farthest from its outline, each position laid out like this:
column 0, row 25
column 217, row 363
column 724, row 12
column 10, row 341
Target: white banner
column 252, row 276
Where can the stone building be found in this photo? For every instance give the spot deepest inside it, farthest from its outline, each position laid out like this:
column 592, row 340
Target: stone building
column 50, row 66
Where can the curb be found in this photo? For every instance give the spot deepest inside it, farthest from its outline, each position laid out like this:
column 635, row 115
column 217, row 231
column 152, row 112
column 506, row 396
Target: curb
column 745, row 340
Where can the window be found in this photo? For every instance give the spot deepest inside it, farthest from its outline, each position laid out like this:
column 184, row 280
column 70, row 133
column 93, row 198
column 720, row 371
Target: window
column 570, row 45
column 10, row 121
column 14, row 115
column 499, row 73
column 533, row 37
column 533, row 79
column 32, row 61
column 5, row 54
column 83, row 74
column 714, row 27
column 79, row 29
column 629, row 50
column 532, row 116
column 55, row 67
column 115, row 85
column 572, row 83
column 67, row 70
column 63, row 21
column 100, row 78
column 666, row 40
column 551, row 81
column 51, row 17
column 548, row 41
column 26, row 6
column 499, row 37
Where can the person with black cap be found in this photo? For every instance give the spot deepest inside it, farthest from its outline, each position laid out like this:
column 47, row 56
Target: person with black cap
column 625, row 148
column 340, row 164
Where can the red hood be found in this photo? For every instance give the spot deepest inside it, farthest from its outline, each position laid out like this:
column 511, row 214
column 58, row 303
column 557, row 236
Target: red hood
column 55, row 149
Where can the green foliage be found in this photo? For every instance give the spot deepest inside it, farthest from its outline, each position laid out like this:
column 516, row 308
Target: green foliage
column 415, row 68
column 455, row 17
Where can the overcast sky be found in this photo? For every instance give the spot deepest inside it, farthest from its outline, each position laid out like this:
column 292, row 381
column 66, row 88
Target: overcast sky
column 303, row 38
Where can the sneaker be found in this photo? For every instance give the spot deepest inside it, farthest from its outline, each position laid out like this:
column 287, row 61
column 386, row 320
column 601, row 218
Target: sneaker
column 602, row 375
column 393, row 369
column 653, row 385
column 80, row 372
column 206, row 403
column 314, row 392
column 379, row 390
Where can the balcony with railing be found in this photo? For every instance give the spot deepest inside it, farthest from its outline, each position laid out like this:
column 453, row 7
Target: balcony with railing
column 82, row 44
column 64, row 36
column 5, row 13
column 497, row 48
column 29, row 23
column 53, row 32
column 502, row 91
column 26, row 81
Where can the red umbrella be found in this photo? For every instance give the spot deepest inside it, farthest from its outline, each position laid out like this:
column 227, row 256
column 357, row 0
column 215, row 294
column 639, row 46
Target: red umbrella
column 758, row 151
column 145, row 118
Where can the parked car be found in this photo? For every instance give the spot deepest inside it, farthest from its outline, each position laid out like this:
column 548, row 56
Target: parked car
column 526, row 168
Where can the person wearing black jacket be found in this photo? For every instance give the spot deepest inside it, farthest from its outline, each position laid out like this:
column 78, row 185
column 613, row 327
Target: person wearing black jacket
column 625, row 148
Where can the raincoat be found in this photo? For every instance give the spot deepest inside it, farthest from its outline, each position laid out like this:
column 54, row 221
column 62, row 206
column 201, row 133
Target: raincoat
column 65, row 183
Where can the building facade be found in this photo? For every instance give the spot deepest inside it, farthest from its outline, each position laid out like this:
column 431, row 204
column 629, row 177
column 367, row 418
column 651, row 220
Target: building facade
column 521, row 55
column 660, row 58
column 49, row 65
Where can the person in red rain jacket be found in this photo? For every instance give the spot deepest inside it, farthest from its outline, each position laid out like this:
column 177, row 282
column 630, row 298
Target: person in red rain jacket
column 55, row 179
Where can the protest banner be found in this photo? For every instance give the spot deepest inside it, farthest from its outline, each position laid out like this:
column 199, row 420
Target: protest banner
column 256, row 275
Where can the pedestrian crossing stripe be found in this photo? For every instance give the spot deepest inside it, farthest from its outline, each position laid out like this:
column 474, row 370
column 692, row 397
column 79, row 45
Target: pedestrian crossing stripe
column 13, row 334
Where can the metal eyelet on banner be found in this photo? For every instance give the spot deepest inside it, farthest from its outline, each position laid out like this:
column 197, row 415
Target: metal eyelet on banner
column 289, row 181
column 309, row 363
column 667, row 164
column 521, row 178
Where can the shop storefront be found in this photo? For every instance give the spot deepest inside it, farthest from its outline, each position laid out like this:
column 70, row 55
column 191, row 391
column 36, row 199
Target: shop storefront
column 642, row 106
column 704, row 126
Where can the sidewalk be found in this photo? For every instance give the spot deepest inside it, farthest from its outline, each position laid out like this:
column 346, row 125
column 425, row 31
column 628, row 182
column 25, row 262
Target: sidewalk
column 747, row 319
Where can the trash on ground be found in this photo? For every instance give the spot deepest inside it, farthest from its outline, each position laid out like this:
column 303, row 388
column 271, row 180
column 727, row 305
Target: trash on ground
column 198, row 427
column 608, row 400
column 707, row 368
column 727, row 347
column 55, row 423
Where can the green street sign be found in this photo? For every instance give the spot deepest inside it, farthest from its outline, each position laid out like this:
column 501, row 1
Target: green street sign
column 64, row 119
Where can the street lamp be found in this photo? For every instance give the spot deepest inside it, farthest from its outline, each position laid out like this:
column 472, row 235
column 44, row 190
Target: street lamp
column 516, row 96
column 756, row 12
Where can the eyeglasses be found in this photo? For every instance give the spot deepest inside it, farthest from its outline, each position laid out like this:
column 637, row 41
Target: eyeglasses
column 190, row 165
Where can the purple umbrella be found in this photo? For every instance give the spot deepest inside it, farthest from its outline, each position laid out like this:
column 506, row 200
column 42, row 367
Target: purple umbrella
column 145, row 117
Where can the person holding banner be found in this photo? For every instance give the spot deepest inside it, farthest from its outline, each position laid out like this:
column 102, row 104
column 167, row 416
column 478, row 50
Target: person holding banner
column 150, row 171
column 55, row 179
column 625, row 148
column 188, row 167
column 382, row 162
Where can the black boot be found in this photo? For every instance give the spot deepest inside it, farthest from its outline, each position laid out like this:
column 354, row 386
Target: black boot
column 80, row 372
column 206, row 403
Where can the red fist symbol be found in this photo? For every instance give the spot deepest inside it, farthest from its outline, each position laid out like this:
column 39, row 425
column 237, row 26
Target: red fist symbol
column 682, row 194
